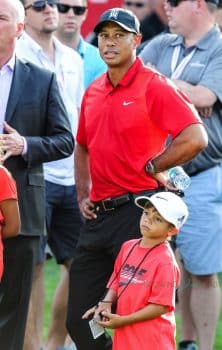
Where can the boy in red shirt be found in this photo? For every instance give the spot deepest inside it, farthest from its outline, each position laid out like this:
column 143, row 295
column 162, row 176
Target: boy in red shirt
column 9, row 211
column 145, row 279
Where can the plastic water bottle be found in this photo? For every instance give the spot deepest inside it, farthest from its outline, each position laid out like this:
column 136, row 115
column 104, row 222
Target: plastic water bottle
column 179, row 178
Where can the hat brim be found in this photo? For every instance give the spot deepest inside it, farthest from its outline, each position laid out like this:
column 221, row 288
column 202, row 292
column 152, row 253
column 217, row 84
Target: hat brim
column 141, row 202
column 98, row 27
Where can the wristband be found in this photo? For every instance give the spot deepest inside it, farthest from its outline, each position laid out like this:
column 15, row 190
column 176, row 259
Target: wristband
column 150, row 168
column 106, row 301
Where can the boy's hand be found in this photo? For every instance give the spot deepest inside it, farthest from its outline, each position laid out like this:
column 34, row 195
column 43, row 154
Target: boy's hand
column 110, row 320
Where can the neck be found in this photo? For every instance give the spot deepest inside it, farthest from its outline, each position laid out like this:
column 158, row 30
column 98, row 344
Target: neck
column 69, row 40
column 150, row 243
column 195, row 36
column 45, row 40
column 116, row 73
column 4, row 59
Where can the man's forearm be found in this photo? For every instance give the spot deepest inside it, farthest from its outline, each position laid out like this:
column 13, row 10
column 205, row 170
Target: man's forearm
column 183, row 148
column 199, row 95
column 82, row 175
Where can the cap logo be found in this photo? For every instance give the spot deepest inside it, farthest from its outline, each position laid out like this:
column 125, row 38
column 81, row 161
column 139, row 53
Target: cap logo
column 180, row 220
column 114, row 14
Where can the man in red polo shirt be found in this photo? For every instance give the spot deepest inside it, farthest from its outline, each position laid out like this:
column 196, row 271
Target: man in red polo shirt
column 126, row 116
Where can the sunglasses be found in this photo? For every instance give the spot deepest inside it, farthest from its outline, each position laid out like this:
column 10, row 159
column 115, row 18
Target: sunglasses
column 40, row 5
column 174, row 3
column 134, row 4
column 78, row 10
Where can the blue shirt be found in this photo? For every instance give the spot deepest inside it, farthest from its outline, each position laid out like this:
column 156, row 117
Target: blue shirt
column 204, row 68
column 93, row 64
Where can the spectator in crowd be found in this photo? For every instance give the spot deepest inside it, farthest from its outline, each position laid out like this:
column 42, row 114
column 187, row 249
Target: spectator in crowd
column 145, row 268
column 72, row 14
column 36, row 130
column 192, row 57
column 40, row 46
column 126, row 116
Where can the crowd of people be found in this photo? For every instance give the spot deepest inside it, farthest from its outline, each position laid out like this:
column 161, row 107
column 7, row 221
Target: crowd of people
column 88, row 135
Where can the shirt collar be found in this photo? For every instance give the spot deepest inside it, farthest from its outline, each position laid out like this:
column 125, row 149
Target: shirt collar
column 37, row 48
column 81, row 49
column 203, row 43
column 10, row 65
column 129, row 75
column 31, row 42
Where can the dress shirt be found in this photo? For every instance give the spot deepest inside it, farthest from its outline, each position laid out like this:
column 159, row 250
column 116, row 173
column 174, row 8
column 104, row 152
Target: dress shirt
column 68, row 67
column 6, row 75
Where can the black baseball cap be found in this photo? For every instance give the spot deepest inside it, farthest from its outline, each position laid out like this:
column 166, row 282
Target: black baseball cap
column 124, row 18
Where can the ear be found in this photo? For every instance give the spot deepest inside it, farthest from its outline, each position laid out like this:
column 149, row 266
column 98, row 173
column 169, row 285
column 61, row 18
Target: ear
column 137, row 40
column 172, row 231
column 20, row 27
column 85, row 15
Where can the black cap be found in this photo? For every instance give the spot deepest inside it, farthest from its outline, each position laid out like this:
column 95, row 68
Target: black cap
column 124, row 18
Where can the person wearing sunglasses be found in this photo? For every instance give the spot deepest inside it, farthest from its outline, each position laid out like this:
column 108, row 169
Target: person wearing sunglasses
column 72, row 14
column 39, row 45
column 192, row 57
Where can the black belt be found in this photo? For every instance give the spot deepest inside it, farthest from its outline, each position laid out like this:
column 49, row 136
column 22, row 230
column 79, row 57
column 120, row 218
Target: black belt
column 116, row 202
column 112, row 203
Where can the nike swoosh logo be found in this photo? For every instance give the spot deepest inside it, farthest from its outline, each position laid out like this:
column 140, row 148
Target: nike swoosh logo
column 127, row 103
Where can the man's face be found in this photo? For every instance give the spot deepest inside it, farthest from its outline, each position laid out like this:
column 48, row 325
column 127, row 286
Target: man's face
column 10, row 29
column 181, row 17
column 69, row 22
column 117, row 46
column 45, row 21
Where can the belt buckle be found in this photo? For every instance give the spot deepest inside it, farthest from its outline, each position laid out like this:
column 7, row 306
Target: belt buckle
column 104, row 205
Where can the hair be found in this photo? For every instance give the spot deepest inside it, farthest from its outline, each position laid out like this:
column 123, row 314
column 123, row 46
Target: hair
column 149, row 205
column 19, row 10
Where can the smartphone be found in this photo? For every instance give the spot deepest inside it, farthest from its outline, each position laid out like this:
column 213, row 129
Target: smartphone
column 96, row 329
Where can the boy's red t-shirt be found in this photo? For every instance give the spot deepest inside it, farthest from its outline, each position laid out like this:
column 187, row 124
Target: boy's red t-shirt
column 7, row 191
column 154, row 282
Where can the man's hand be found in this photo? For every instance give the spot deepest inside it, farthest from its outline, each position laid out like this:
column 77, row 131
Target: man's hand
column 12, row 143
column 162, row 177
column 87, row 209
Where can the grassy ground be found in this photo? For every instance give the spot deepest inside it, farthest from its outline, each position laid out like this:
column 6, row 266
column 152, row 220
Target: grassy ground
column 51, row 280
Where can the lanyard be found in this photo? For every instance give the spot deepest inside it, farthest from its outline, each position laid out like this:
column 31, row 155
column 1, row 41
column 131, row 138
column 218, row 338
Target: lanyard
column 176, row 71
column 136, row 269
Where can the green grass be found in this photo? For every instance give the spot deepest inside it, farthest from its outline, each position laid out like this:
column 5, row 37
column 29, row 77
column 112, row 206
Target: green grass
column 52, row 273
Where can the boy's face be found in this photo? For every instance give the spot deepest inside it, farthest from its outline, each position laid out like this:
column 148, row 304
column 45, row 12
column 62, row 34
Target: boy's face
column 153, row 225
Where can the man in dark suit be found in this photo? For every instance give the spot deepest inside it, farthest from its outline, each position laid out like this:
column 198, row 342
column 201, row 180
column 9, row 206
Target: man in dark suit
column 35, row 130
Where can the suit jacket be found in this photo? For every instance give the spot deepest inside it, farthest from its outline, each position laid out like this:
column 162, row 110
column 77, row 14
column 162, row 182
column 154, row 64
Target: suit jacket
column 36, row 110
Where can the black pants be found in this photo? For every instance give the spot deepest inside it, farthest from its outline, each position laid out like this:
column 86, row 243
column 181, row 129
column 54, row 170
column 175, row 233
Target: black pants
column 20, row 255
column 99, row 243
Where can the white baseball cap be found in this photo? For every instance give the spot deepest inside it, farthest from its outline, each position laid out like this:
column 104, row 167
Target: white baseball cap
column 170, row 206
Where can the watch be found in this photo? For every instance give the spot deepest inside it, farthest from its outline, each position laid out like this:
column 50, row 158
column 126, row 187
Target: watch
column 150, row 168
